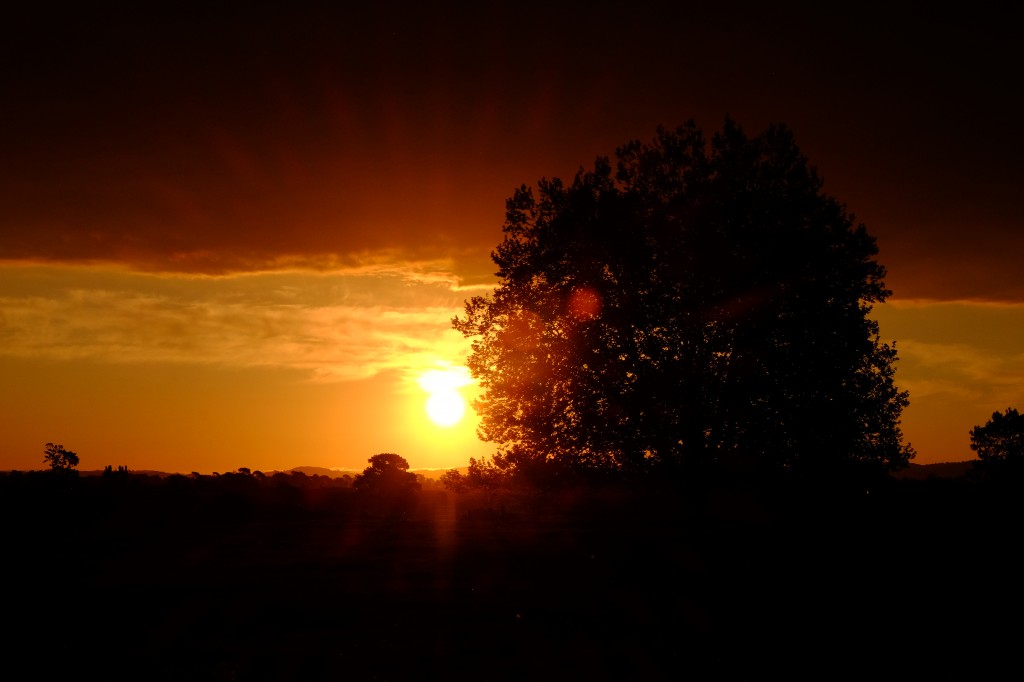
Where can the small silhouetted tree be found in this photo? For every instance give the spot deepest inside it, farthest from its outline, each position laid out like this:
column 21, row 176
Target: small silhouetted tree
column 388, row 473
column 110, row 472
column 59, row 458
column 1000, row 442
column 699, row 305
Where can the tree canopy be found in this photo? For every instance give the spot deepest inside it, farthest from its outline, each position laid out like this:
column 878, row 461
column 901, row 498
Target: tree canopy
column 388, row 473
column 59, row 458
column 1001, row 439
column 701, row 304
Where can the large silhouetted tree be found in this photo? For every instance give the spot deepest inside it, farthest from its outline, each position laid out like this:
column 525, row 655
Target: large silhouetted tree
column 701, row 304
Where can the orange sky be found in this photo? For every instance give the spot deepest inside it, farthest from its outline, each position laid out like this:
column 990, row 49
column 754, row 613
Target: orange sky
column 237, row 239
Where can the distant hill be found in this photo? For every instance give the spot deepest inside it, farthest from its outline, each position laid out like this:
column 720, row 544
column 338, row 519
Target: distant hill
column 437, row 473
column 938, row 470
column 319, row 471
column 338, row 473
column 134, row 472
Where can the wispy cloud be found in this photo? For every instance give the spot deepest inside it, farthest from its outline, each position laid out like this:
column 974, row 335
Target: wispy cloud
column 367, row 317
column 960, row 370
column 966, row 349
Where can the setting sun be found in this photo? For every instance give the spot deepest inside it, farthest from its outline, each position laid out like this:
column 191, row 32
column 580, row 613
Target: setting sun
column 445, row 408
column 445, row 405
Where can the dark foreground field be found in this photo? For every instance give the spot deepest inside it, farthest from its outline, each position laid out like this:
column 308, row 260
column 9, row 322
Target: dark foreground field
column 162, row 581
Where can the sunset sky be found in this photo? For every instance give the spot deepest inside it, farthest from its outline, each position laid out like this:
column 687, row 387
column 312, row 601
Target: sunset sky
column 236, row 237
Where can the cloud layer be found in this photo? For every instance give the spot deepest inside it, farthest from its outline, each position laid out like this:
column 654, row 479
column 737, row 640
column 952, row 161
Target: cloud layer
column 341, row 324
column 960, row 361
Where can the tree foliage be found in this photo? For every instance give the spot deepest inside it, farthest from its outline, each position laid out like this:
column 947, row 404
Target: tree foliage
column 1001, row 439
column 59, row 458
column 481, row 474
column 388, row 473
column 700, row 304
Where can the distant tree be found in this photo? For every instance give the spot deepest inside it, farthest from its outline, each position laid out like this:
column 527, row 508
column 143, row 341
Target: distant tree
column 110, row 472
column 1000, row 441
column 701, row 305
column 59, row 458
column 388, row 473
column 481, row 474
column 454, row 481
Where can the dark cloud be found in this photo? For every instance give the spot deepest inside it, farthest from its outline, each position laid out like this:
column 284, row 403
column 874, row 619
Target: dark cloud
column 224, row 138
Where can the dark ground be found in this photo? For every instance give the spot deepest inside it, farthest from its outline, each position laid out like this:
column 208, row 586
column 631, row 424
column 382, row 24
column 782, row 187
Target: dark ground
column 159, row 582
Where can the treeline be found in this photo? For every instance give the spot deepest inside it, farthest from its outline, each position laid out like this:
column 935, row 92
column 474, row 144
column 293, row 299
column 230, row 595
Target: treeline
column 51, row 501
column 118, row 495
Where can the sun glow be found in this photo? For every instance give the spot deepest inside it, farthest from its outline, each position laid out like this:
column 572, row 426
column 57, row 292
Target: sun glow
column 446, row 408
column 445, row 405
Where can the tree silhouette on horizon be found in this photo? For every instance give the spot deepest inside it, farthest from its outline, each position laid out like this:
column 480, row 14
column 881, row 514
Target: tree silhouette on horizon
column 701, row 304
column 1000, row 441
column 59, row 458
column 388, row 473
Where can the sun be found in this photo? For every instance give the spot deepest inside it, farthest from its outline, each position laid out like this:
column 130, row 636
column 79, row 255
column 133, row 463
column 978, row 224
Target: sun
column 446, row 408
column 445, row 405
